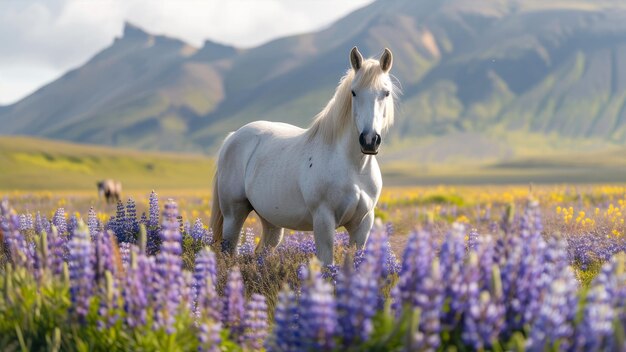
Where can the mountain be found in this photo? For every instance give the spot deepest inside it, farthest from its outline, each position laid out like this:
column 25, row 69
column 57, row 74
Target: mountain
column 142, row 91
column 481, row 79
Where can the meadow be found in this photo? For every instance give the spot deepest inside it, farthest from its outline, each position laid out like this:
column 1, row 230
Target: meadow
column 33, row 164
column 470, row 268
column 36, row 164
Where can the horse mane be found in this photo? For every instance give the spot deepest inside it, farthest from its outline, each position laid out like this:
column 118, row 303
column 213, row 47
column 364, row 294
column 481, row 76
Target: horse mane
column 336, row 116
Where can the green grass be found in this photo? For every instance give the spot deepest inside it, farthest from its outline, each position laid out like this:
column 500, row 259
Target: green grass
column 38, row 164
column 32, row 164
column 542, row 171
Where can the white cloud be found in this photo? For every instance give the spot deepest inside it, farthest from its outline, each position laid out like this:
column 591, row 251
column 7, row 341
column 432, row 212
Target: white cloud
column 42, row 39
column 18, row 81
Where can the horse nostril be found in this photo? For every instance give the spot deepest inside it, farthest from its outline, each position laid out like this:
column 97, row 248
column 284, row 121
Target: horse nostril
column 362, row 139
column 378, row 139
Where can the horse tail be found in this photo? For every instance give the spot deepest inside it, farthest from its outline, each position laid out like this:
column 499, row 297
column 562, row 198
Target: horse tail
column 217, row 218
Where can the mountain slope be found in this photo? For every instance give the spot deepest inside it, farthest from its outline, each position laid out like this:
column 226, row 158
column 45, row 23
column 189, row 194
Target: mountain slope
column 38, row 164
column 499, row 72
column 136, row 92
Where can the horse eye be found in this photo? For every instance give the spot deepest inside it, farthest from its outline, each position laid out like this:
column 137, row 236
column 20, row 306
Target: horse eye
column 387, row 93
column 353, row 94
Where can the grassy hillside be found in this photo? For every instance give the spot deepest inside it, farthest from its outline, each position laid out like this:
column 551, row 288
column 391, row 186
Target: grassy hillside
column 601, row 166
column 39, row 164
column 31, row 164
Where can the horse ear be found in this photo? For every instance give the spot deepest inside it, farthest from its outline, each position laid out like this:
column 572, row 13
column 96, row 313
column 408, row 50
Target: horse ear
column 356, row 59
column 386, row 60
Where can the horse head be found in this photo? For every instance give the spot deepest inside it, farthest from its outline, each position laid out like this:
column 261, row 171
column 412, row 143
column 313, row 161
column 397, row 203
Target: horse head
column 372, row 98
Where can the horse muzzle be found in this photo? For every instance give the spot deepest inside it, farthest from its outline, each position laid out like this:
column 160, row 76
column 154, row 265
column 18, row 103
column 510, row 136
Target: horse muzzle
column 370, row 143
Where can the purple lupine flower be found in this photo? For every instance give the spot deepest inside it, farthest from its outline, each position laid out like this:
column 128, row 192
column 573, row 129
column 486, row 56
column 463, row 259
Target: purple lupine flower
column 484, row 314
column 72, row 225
column 285, row 334
column 472, row 238
column 248, row 245
column 138, row 289
column 42, row 224
column 144, row 219
column 20, row 252
column 109, row 302
column 233, row 306
column 209, row 305
column 613, row 276
column 209, row 336
column 131, row 225
column 92, row 223
column 521, row 276
column 485, row 249
column 428, row 297
column 342, row 239
column 330, row 272
column 26, row 222
column 357, row 300
column 299, row 242
column 255, row 323
column 187, row 227
column 181, row 225
column 125, row 250
column 169, row 270
column 555, row 257
column 205, row 277
column 187, row 291
column 154, row 239
column 378, row 251
column 110, row 225
column 359, row 258
column 39, row 228
column 303, row 272
column 29, row 221
column 416, row 261
column 58, row 220
column 317, row 321
column 483, row 320
column 198, row 231
column 452, row 254
column 118, row 223
column 556, row 315
column 103, row 260
column 81, row 272
column 56, row 252
column 596, row 328
column 595, row 331
column 154, row 210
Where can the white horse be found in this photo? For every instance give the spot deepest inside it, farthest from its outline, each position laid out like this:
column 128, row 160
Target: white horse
column 316, row 179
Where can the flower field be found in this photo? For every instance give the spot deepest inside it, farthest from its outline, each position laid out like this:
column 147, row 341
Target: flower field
column 502, row 268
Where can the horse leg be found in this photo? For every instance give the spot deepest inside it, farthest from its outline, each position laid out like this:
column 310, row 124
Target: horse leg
column 323, row 231
column 234, row 216
column 271, row 237
column 360, row 231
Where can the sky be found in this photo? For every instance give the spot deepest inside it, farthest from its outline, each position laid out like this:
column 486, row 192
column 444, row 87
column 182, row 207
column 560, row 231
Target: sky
column 42, row 39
